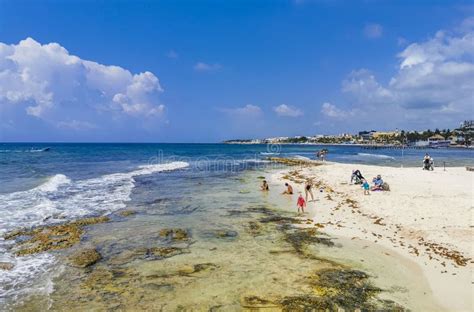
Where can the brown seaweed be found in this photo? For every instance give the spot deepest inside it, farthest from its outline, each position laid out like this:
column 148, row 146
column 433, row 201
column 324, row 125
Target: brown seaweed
column 52, row 237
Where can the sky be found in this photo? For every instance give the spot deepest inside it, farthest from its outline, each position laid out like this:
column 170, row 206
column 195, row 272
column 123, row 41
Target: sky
column 206, row 71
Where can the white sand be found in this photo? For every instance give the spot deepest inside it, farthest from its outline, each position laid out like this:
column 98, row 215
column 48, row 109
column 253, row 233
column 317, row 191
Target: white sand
column 423, row 208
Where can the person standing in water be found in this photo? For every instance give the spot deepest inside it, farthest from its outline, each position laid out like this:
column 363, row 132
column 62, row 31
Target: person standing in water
column 264, row 186
column 308, row 190
column 301, row 204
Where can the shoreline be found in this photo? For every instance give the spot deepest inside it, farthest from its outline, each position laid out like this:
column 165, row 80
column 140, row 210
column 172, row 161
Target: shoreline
column 367, row 145
column 408, row 222
column 224, row 238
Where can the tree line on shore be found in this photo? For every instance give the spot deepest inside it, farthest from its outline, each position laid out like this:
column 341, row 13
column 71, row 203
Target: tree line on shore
column 462, row 136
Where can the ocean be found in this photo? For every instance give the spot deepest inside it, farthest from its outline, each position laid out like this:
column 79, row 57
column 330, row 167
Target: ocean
column 203, row 188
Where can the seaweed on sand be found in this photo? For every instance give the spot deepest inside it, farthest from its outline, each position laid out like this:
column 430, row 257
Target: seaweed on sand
column 293, row 161
column 103, row 280
column 174, row 234
column 127, row 213
column 186, row 270
column 261, row 209
column 352, row 203
column 236, row 212
column 200, row 267
column 254, row 228
column 272, row 216
column 349, row 289
column 221, row 234
column 300, row 238
column 84, row 257
column 52, row 237
column 333, row 289
column 254, row 302
column 159, row 253
column 280, row 220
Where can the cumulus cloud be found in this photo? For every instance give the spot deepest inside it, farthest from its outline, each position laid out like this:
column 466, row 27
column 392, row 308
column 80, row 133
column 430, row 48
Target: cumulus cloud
column 248, row 110
column 204, row 67
column 373, row 31
column 434, row 76
column 364, row 88
column 287, row 111
column 332, row 111
column 437, row 73
column 49, row 83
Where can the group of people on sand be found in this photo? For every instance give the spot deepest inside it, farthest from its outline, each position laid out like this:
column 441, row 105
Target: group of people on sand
column 378, row 183
column 301, row 201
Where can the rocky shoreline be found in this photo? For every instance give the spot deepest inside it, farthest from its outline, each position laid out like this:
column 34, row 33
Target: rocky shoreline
column 115, row 281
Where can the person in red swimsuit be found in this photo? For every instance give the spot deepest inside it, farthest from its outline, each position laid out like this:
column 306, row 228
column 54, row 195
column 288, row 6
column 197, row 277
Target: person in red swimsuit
column 301, row 203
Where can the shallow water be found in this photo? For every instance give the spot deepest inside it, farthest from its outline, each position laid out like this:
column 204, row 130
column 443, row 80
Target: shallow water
column 229, row 256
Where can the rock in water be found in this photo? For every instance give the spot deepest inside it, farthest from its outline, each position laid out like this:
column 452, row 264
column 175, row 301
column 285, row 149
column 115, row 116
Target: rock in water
column 51, row 237
column 174, row 234
column 85, row 257
column 126, row 213
column 6, row 266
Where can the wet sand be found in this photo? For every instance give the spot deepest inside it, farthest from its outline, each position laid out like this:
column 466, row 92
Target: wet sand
column 426, row 219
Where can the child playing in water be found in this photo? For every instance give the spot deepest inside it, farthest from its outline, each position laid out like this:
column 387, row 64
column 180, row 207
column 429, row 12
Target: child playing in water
column 366, row 186
column 301, row 203
column 289, row 189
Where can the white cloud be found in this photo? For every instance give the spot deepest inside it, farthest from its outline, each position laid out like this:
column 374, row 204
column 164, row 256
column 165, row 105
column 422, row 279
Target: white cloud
column 373, row 31
column 287, row 111
column 48, row 82
column 204, row 67
column 332, row 111
column 172, row 54
column 467, row 24
column 76, row 125
column 364, row 88
column 248, row 110
column 402, row 41
column 435, row 73
column 433, row 83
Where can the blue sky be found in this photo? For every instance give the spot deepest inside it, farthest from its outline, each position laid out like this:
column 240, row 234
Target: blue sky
column 205, row 71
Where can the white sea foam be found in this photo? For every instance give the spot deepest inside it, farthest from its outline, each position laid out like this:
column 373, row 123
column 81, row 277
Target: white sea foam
column 268, row 153
column 376, row 155
column 53, row 201
column 30, row 274
column 257, row 161
column 301, row 157
column 53, row 183
column 24, row 151
column 60, row 198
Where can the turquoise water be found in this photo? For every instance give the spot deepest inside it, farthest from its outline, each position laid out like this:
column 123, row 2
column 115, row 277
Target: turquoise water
column 24, row 165
column 182, row 185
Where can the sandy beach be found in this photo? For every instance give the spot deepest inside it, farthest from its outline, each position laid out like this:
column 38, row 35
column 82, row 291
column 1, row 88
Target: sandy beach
column 426, row 218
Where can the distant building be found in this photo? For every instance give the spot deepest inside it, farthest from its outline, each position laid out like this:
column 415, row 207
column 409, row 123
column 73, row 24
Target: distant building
column 367, row 135
column 435, row 138
column 422, row 143
column 381, row 134
column 456, row 139
column 438, row 141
